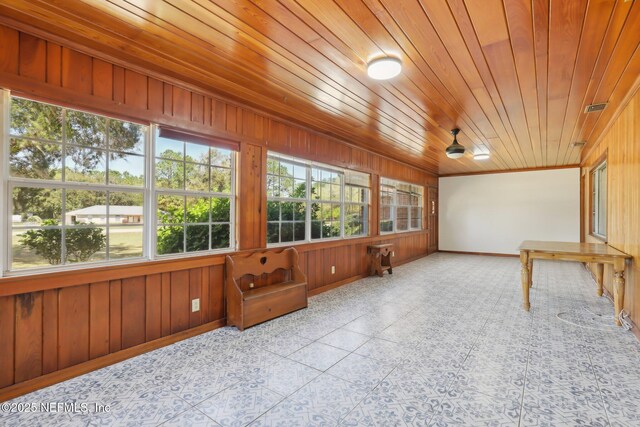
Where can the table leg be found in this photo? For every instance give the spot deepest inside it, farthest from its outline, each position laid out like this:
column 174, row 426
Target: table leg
column 524, row 260
column 530, row 272
column 618, row 292
column 599, row 277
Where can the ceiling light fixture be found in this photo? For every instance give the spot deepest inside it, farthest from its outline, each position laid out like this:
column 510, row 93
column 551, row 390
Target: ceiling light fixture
column 455, row 150
column 481, row 156
column 384, row 68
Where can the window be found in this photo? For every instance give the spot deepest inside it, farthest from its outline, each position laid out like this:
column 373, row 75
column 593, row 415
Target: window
column 308, row 201
column 71, row 177
column 400, row 206
column 599, row 200
column 78, row 187
column 194, row 187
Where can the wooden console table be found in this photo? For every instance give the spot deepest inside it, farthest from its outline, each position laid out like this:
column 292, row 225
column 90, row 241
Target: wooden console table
column 380, row 258
column 598, row 253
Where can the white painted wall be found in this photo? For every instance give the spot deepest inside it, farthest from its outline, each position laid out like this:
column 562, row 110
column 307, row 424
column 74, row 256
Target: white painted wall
column 495, row 212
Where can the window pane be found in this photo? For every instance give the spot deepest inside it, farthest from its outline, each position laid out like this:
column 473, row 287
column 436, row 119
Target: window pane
column 335, row 192
column 273, row 232
column 286, row 232
column 197, row 211
column 85, row 243
column 386, row 226
column 197, row 238
column 86, row 129
column 85, row 207
column 32, row 159
column 126, row 208
column 299, row 189
column 170, row 209
column 36, row 247
column 35, row 119
column 169, row 148
column 602, row 201
column 273, row 211
column 126, row 169
column 273, row 186
column 169, row 174
column 125, row 136
column 85, row 165
column 299, row 211
column 197, row 153
column 316, row 229
column 125, row 242
column 220, row 157
column 170, row 239
column 220, row 209
column 416, row 217
column 36, row 206
column 286, row 210
column 402, row 216
column 197, row 177
column 221, row 180
column 299, row 231
column 220, row 236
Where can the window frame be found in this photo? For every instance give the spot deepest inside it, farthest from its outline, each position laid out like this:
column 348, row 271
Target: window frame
column 394, row 205
column 9, row 183
column 147, row 190
column 155, row 191
column 308, row 200
column 596, row 193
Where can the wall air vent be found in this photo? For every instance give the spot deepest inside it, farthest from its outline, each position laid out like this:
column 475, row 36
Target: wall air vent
column 595, row 107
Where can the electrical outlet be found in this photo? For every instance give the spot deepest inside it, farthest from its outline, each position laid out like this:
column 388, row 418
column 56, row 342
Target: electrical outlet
column 333, row 269
column 393, row 253
column 251, row 285
column 195, row 305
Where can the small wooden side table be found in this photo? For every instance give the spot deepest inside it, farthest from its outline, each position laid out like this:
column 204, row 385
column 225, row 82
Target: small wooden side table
column 380, row 257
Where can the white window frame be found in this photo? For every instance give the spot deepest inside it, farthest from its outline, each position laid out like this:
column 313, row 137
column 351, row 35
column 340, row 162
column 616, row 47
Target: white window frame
column 154, row 192
column 148, row 191
column 394, row 204
column 597, row 194
column 308, row 200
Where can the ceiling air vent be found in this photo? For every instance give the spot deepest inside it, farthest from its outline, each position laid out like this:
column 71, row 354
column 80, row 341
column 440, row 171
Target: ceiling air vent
column 595, row 107
column 578, row 144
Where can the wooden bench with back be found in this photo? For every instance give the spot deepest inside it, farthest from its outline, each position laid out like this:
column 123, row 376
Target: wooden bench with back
column 247, row 304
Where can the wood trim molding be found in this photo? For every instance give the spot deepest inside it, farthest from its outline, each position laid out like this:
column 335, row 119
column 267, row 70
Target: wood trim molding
column 479, row 253
column 21, row 284
column 510, row 171
column 100, row 362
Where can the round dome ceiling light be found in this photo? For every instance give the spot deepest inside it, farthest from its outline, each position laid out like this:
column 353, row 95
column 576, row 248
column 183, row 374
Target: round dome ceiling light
column 455, row 150
column 481, row 156
column 384, row 68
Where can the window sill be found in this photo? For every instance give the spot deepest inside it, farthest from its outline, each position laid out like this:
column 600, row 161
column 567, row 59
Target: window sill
column 603, row 239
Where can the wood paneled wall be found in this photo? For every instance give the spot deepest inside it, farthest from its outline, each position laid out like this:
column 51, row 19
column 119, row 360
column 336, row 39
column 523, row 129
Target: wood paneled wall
column 621, row 145
column 54, row 322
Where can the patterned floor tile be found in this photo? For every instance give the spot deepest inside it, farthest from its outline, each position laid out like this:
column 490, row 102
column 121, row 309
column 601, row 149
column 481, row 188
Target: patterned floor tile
column 191, row 418
column 291, row 413
column 319, row 356
column 329, row 396
column 344, row 339
column 285, row 376
column 361, row 370
column 239, row 404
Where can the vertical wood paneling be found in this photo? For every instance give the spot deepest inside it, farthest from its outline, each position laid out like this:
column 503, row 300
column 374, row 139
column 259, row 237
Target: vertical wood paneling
column 33, row 57
column 54, row 64
column 9, row 54
column 180, row 304
column 133, row 312
column 135, row 89
column 98, row 319
column 28, row 336
column 76, row 71
column 153, row 307
column 73, row 333
column 156, row 94
column 181, row 103
column 216, row 292
column 115, row 315
column 49, row 331
column 165, row 314
column 7, row 335
column 250, row 203
column 118, row 84
column 102, row 79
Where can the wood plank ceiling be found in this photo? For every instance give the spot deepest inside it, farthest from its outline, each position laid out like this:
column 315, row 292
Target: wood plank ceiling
column 515, row 75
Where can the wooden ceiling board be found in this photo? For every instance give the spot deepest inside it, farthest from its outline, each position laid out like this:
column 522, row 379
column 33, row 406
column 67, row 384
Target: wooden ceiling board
column 514, row 76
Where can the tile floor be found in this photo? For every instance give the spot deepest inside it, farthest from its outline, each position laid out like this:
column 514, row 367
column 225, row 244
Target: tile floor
column 441, row 342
